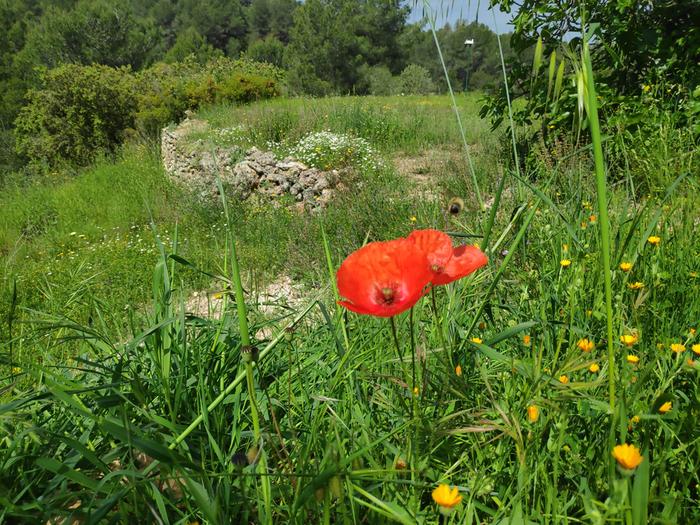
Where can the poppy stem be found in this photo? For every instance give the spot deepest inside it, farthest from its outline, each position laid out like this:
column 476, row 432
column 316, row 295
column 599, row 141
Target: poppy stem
column 413, row 348
column 440, row 328
column 399, row 354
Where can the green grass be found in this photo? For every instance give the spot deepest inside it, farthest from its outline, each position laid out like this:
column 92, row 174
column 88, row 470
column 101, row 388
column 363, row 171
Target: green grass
column 99, row 400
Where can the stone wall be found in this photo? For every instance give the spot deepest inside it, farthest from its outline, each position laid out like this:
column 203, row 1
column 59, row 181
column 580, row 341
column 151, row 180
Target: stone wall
column 192, row 165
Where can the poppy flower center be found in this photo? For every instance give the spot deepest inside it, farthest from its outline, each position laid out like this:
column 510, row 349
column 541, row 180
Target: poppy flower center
column 437, row 268
column 387, row 295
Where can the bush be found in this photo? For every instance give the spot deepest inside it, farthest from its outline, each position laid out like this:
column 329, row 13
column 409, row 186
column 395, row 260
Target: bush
column 415, row 80
column 166, row 91
column 381, row 82
column 243, row 88
column 270, row 50
column 78, row 111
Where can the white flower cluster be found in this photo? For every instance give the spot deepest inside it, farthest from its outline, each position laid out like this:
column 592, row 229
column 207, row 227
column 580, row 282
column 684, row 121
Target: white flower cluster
column 235, row 135
column 325, row 150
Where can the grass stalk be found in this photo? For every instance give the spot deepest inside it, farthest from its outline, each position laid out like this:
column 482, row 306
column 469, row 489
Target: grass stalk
column 604, row 221
column 463, row 135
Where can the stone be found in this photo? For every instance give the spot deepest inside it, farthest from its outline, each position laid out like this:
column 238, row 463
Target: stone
column 193, row 166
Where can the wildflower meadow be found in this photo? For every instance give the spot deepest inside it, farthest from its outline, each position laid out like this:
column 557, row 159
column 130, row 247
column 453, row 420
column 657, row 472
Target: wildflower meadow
column 488, row 322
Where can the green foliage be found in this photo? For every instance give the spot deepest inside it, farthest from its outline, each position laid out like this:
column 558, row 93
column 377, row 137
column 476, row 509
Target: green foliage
column 475, row 67
column 190, row 42
column 271, row 18
column 415, row 80
column 332, row 39
column 166, row 91
column 380, row 81
column 78, row 111
column 98, row 396
column 269, row 50
column 637, row 46
column 221, row 22
column 101, row 32
column 82, row 110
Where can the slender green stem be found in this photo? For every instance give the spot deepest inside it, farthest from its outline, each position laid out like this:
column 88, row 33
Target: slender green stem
column 603, row 220
column 440, row 328
column 472, row 171
column 399, row 355
column 261, row 467
column 413, row 348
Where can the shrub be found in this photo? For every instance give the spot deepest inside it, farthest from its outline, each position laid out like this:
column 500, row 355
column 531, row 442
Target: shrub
column 415, row 80
column 244, row 88
column 166, row 91
column 270, row 50
column 77, row 111
column 381, row 82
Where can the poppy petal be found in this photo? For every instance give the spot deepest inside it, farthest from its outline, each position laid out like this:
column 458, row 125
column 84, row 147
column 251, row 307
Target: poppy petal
column 383, row 278
column 437, row 246
column 465, row 260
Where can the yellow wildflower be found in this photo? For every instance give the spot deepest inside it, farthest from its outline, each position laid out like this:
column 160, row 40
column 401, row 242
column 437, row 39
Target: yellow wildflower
column 692, row 332
column 526, row 340
column 654, row 240
column 635, row 420
column 585, row 345
column 628, row 339
column 477, row 340
column 565, row 248
column 565, row 263
column 413, row 219
column 627, row 456
column 646, row 88
column 594, row 368
column 458, row 371
column 632, row 359
column 625, row 266
column 447, row 498
column 638, row 285
column 696, row 349
column 533, row 413
column 593, row 219
column 564, row 379
column 678, row 348
column 666, row 407
column 415, row 391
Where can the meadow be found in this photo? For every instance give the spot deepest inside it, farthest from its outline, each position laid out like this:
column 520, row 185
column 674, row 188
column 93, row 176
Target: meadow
column 514, row 384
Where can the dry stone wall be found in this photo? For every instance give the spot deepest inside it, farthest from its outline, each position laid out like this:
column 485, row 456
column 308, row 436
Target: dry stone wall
column 192, row 165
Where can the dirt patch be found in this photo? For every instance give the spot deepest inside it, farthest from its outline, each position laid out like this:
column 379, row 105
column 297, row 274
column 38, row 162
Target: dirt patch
column 425, row 170
column 275, row 300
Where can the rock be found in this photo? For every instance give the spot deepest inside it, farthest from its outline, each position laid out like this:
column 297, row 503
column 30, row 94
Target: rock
column 194, row 166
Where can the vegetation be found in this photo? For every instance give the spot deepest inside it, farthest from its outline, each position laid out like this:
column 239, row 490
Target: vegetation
column 367, row 35
column 167, row 360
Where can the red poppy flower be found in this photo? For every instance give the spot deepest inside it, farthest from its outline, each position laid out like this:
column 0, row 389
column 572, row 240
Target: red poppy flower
column 446, row 263
column 383, row 278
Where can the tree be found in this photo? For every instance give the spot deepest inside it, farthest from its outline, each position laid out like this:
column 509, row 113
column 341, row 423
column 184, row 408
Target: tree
column 331, row 40
column 636, row 40
column 269, row 50
column 191, row 43
column 103, row 32
column 219, row 21
column 271, row 17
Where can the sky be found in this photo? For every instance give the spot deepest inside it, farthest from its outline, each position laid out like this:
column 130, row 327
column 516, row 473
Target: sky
column 452, row 10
